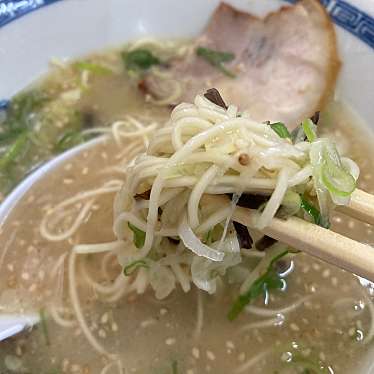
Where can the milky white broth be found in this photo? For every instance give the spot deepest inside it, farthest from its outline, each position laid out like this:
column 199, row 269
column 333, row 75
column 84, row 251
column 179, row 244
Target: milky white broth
column 330, row 327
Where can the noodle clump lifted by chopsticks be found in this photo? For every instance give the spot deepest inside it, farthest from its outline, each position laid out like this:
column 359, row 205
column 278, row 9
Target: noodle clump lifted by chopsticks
column 179, row 197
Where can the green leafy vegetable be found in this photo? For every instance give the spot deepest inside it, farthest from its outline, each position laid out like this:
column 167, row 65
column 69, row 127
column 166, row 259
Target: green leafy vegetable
column 139, row 59
column 7, row 136
column 69, row 139
column 15, row 129
column 280, row 129
column 309, row 129
column 21, row 106
column 14, row 150
column 308, row 366
column 92, row 67
column 208, row 237
column 270, row 280
column 43, row 324
column 129, row 269
column 217, row 59
column 139, row 236
column 314, row 213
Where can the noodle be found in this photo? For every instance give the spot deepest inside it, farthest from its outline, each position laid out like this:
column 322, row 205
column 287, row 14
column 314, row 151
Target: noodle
column 200, row 315
column 73, row 292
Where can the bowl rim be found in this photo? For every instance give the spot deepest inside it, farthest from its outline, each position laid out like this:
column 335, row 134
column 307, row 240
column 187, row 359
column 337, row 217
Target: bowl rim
column 342, row 12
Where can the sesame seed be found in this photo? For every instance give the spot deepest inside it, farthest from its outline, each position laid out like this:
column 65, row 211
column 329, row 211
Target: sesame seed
column 241, row 357
column 170, row 341
column 10, row 267
column 114, row 327
column 326, row 273
column 104, row 318
column 147, row 322
column 25, row 276
column 230, row 344
column 210, row 355
column 33, row 287
column 102, row 333
column 196, row 352
column 163, row 311
column 316, row 267
column 294, row 327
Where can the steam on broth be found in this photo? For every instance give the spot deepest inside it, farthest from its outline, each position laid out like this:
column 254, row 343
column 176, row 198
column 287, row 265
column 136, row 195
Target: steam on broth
column 322, row 322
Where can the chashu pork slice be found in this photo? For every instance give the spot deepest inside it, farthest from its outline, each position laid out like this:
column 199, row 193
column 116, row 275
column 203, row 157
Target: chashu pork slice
column 285, row 65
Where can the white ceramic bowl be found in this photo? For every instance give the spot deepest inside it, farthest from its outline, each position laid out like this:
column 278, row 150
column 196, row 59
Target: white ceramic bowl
column 32, row 32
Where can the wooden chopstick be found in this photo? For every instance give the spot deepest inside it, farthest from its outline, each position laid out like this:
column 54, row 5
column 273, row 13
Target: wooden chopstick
column 317, row 241
column 361, row 206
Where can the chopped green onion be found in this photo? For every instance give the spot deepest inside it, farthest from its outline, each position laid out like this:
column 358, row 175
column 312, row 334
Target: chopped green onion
column 129, row 269
column 174, row 367
column 314, row 213
column 270, row 280
column 92, row 67
column 208, row 237
column 139, row 59
column 6, row 136
column 335, row 178
column 216, row 59
column 281, row 130
column 69, row 139
column 43, row 324
column 309, row 129
column 14, row 150
column 22, row 106
column 139, row 236
column 54, row 371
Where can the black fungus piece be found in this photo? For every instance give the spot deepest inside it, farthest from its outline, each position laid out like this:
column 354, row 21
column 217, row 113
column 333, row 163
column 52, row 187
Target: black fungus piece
column 264, row 242
column 214, row 96
column 244, row 238
column 144, row 195
column 88, row 119
column 173, row 240
column 315, row 118
column 251, row 201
